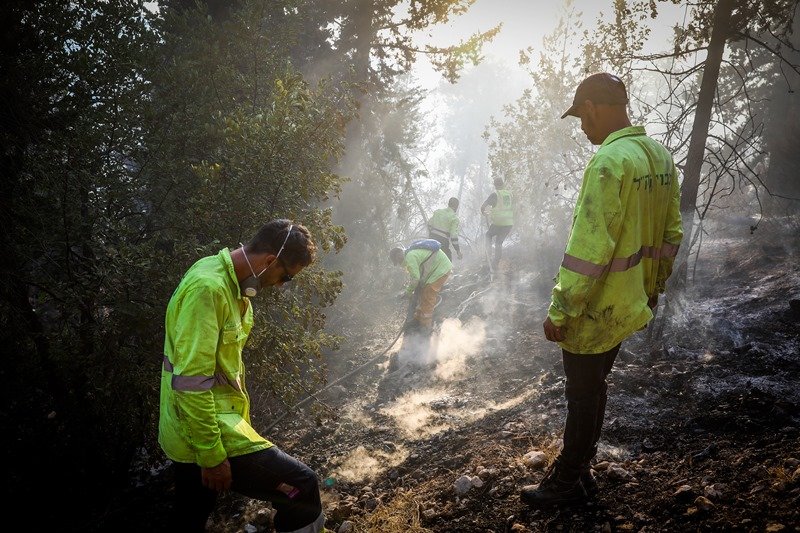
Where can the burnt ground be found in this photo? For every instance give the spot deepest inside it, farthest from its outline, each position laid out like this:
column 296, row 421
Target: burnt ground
column 702, row 427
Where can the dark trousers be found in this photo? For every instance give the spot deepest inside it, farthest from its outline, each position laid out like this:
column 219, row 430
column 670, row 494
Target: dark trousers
column 499, row 233
column 586, row 392
column 256, row 475
column 445, row 242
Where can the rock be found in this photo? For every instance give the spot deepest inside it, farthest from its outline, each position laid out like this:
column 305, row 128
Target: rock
column 519, row 528
column 715, row 491
column 648, row 446
column 791, row 462
column 703, row 503
column 250, row 528
column 774, row 527
column 709, row 452
column 796, row 475
column 601, row 466
column 371, row 504
column 535, row 459
column 346, row 527
column 615, row 471
column 779, row 486
column 462, row 485
column 429, row 513
column 477, row 482
column 684, row 493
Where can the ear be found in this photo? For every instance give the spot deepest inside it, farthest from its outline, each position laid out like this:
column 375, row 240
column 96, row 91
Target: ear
column 267, row 259
column 589, row 108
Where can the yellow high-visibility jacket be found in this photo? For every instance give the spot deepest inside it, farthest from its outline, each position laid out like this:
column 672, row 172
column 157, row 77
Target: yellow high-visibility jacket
column 503, row 211
column 444, row 223
column 426, row 266
column 205, row 409
column 626, row 229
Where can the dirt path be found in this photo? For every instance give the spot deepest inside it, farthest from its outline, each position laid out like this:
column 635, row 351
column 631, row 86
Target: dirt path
column 702, row 431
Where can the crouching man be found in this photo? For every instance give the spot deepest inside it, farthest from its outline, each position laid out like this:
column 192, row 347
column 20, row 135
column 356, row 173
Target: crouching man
column 204, row 425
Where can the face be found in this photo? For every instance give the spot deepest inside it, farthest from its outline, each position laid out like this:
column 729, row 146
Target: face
column 278, row 271
column 590, row 122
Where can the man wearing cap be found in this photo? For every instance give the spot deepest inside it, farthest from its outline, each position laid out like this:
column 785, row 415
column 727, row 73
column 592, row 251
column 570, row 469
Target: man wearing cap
column 204, row 423
column 625, row 235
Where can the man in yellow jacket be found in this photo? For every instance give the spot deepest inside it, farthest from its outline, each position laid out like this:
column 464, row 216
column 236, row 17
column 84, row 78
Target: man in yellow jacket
column 626, row 229
column 428, row 268
column 204, row 423
column 443, row 226
column 499, row 207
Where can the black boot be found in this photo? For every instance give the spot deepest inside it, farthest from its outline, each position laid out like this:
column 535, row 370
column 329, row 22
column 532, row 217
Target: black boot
column 589, row 482
column 587, row 478
column 558, row 487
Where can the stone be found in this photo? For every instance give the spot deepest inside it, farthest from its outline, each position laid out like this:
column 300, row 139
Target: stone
column 535, row 459
column 703, row 503
column 346, row 527
column 462, row 485
column 684, row 493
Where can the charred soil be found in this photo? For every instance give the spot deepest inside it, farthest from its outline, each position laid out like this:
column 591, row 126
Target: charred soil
column 702, row 427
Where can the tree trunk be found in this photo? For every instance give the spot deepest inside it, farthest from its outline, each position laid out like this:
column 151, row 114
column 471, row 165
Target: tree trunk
column 697, row 145
column 694, row 164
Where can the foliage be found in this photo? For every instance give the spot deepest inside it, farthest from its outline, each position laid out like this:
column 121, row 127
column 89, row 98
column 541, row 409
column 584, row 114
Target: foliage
column 759, row 54
column 141, row 143
column 540, row 156
column 137, row 142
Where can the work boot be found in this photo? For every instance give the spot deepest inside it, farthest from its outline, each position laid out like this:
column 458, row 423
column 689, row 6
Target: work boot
column 558, row 487
column 589, row 483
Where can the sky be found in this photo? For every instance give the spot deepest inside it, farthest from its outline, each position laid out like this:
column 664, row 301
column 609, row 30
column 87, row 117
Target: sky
column 525, row 23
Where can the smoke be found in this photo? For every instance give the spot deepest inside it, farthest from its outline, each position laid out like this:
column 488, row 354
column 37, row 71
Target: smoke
column 362, row 464
column 455, row 343
column 447, row 349
column 414, row 415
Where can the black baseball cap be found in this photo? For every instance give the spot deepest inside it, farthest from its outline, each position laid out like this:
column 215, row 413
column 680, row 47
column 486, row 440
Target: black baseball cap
column 601, row 88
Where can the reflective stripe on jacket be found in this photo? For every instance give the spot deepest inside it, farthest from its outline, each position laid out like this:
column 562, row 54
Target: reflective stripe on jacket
column 626, row 229
column 444, row 223
column 434, row 268
column 205, row 411
column 503, row 211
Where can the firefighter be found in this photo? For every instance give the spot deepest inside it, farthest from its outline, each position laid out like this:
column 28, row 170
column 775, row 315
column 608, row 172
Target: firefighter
column 626, row 229
column 443, row 226
column 499, row 207
column 204, row 425
column 428, row 268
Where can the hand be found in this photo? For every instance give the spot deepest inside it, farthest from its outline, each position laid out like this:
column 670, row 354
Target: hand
column 218, row 477
column 552, row 332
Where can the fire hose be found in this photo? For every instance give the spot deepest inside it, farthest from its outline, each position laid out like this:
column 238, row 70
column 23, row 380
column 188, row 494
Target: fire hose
column 313, row 396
